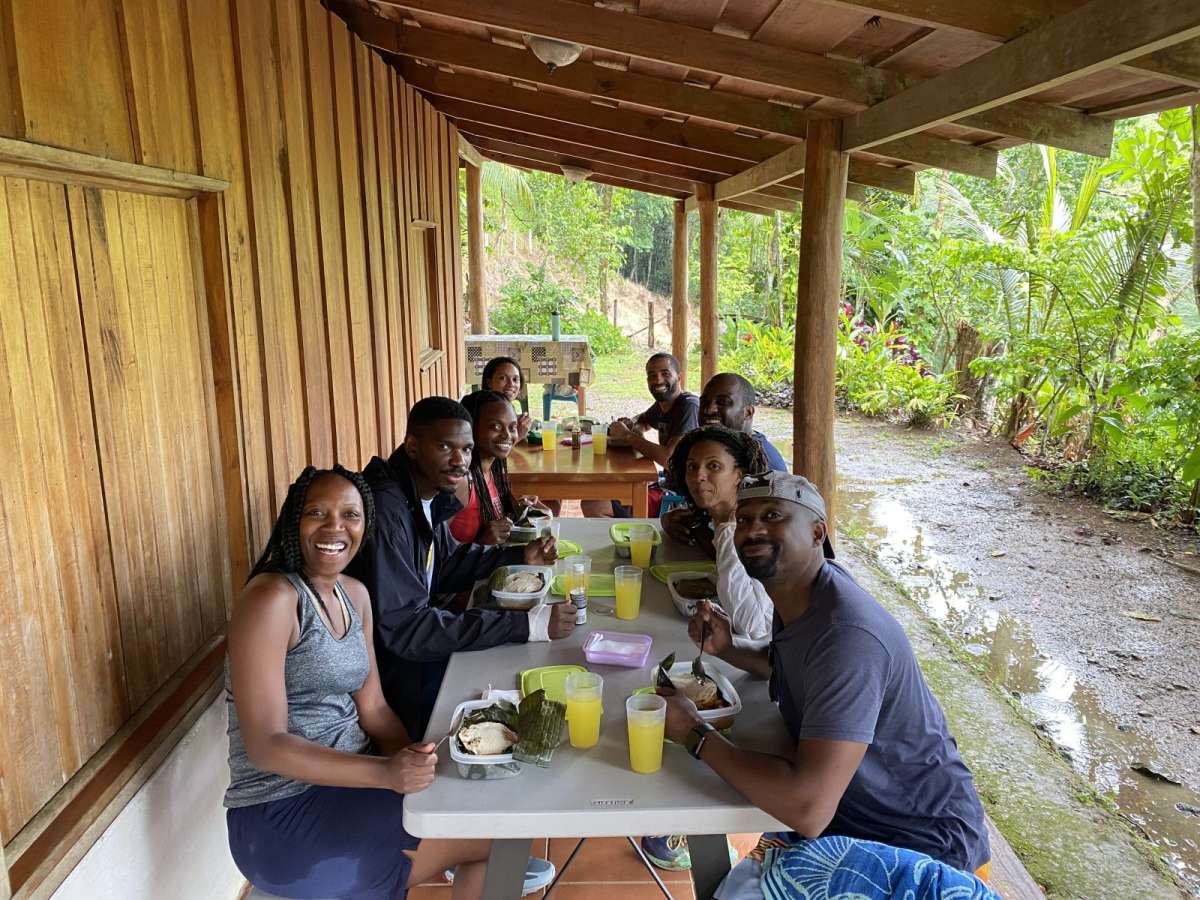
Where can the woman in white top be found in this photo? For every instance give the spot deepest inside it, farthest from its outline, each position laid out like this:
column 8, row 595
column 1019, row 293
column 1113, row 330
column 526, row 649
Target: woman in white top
column 706, row 468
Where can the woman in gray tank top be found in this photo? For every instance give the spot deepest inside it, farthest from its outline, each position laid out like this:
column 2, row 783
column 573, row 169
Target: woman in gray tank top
column 318, row 762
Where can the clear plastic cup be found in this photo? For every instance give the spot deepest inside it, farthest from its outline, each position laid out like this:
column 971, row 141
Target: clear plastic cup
column 646, row 720
column 549, row 435
column 599, row 438
column 585, row 694
column 641, row 545
column 628, row 580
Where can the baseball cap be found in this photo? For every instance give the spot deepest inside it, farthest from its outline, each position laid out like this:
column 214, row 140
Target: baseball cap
column 786, row 486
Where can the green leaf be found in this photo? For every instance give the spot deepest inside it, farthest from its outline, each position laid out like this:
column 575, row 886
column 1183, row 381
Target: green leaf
column 1191, row 465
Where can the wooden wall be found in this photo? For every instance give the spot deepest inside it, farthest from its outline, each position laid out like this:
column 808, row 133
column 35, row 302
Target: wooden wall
column 339, row 175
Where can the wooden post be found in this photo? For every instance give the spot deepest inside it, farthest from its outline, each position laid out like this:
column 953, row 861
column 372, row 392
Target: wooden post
column 679, row 290
column 708, row 282
column 818, row 292
column 5, row 888
column 650, row 342
column 478, row 289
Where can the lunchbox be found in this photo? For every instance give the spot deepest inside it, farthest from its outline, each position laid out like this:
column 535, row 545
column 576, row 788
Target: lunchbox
column 686, row 606
column 722, row 718
column 615, row 648
column 619, row 533
column 479, row 768
column 538, row 525
column 511, row 600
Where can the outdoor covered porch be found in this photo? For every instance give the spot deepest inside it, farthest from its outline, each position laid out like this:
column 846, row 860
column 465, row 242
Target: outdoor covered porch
column 229, row 248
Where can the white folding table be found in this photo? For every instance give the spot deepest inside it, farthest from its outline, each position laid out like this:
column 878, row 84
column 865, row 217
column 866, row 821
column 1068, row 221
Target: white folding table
column 593, row 793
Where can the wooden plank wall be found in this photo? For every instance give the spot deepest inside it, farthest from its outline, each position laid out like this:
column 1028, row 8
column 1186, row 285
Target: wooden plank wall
column 330, row 157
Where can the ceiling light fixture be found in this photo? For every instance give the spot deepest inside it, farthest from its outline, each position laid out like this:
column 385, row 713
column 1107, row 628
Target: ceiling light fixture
column 555, row 54
column 576, row 174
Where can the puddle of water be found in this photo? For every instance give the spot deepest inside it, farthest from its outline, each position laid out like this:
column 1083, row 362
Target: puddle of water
column 1069, row 713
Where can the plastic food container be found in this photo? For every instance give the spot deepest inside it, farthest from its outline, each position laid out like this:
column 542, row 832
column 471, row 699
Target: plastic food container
column 536, row 526
column 616, row 648
column 512, row 600
column 479, row 768
column 722, row 718
column 686, row 606
column 620, row 538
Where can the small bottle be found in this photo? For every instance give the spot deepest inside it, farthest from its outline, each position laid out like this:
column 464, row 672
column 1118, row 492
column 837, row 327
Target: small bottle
column 579, row 595
column 576, row 438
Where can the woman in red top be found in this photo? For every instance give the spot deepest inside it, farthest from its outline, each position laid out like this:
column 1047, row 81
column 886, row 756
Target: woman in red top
column 486, row 496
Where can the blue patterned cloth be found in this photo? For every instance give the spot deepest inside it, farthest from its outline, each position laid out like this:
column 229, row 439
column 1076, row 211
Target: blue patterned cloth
column 840, row 867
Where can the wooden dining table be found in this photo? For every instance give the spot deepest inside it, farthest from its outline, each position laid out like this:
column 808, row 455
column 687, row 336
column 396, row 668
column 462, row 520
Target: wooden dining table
column 567, row 473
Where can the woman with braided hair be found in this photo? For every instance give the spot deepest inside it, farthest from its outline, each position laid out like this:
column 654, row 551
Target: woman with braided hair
column 319, row 764
column 486, row 494
column 705, row 469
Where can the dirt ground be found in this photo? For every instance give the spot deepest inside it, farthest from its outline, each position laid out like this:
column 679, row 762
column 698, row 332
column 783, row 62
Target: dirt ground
column 1078, row 614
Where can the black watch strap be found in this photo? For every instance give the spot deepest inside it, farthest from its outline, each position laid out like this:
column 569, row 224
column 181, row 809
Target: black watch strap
column 696, row 738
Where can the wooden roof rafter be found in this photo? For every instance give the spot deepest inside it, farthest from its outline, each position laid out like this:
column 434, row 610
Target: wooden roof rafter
column 753, row 61
column 660, row 93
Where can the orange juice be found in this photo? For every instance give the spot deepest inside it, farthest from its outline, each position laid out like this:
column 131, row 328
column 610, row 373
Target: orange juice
column 639, row 552
column 645, row 746
column 599, row 442
column 583, row 722
column 628, row 580
column 549, row 436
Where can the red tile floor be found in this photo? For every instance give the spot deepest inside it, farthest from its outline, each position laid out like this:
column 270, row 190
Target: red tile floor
column 604, row 868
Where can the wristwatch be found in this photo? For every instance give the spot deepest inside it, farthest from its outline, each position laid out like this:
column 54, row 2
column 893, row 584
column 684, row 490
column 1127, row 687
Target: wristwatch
column 696, row 737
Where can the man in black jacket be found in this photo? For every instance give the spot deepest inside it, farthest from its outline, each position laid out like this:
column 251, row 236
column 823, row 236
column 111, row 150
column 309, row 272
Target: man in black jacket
column 412, row 555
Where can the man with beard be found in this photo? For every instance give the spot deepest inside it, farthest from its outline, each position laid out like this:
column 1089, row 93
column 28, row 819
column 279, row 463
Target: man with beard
column 874, row 758
column 674, row 413
column 411, row 555
column 728, row 399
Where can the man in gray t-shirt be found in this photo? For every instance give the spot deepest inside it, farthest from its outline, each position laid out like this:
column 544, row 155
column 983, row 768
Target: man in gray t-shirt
column 874, row 757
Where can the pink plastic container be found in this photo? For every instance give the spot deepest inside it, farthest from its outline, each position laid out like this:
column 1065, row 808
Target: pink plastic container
column 616, row 648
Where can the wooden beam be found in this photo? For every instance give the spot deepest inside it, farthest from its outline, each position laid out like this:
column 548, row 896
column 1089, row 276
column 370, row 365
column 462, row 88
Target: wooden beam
column 767, row 203
column 717, row 142
column 479, row 130
column 1005, row 21
column 700, row 49
column 644, row 90
column 818, row 292
column 709, row 338
column 679, row 290
column 476, row 283
column 660, row 41
column 566, row 109
column 466, row 111
column 1100, row 34
column 745, row 207
column 519, row 163
column 469, row 153
column 517, row 151
column 790, row 163
column 24, row 159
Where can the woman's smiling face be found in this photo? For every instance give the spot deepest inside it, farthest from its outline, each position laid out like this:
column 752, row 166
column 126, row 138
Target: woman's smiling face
column 712, row 475
column 331, row 525
column 496, row 430
column 506, row 380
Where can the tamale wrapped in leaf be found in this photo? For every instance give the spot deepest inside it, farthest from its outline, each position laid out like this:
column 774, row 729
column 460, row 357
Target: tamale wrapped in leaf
column 539, row 728
column 501, row 711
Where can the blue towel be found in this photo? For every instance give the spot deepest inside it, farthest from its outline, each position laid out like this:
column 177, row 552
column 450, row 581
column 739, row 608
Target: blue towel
column 841, row 867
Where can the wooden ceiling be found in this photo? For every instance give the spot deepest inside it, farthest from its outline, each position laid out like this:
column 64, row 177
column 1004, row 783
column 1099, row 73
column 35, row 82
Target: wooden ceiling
column 669, row 93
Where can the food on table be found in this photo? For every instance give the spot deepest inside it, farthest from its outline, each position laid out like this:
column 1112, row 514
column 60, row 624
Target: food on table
column 523, row 583
column 486, row 739
column 696, row 588
column 700, row 689
column 535, row 727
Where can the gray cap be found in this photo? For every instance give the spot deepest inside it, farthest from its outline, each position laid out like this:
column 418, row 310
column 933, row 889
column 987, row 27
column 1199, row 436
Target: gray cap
column 785, row 486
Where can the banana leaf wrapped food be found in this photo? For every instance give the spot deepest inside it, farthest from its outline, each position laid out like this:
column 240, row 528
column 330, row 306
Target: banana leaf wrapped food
column 700, row 689
column 530, row 731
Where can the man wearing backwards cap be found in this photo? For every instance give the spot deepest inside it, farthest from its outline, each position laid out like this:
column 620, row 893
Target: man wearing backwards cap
column 874, row 758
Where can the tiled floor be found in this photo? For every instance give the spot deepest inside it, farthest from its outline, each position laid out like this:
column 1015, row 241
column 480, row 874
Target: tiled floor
column 603, row 868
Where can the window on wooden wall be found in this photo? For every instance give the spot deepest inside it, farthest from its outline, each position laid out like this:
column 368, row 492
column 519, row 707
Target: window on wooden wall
column 427, row 306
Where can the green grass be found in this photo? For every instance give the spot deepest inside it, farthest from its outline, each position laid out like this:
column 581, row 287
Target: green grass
column 621, row 376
